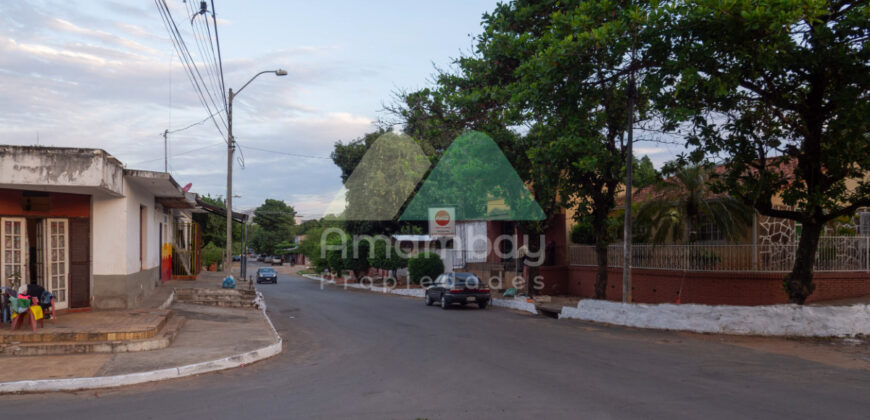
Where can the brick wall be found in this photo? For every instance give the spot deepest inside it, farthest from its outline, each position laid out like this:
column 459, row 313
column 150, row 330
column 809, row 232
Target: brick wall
column 712, row 288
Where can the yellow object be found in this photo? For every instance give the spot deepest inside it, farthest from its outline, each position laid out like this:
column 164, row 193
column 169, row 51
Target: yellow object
column 37, row 312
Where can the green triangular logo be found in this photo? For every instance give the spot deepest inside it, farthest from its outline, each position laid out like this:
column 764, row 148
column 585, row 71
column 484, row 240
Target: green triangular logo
column 475, row 177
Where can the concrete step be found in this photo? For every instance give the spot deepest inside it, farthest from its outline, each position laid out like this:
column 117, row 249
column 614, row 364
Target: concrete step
column 160, row 340
column 148, row 324
column 233, row 298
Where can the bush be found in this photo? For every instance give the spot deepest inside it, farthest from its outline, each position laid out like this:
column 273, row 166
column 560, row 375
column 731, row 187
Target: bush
column 382, row 261
column 425, row 266
column 212, row 254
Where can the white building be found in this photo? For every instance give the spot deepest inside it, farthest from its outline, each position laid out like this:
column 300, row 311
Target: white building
column 77, row 222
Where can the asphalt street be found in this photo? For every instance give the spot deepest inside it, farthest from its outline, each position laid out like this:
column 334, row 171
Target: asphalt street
column 352, row 354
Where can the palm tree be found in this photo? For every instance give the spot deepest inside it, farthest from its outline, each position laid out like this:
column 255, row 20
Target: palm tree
column 680, row 204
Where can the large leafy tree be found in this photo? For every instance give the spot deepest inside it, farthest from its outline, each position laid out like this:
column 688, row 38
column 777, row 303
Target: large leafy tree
column 276, row 222
column 573, row 72
column 780, row 92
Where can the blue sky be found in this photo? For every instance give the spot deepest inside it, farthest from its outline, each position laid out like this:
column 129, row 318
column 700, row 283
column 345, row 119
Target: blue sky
column 102, row 73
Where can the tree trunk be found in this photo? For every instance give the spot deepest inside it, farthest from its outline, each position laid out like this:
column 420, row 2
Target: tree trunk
column 798, row 284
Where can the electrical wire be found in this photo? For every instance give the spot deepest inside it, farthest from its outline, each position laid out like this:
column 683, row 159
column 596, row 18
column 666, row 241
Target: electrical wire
column 180, row 154
column 192, row 70
column 286, row 153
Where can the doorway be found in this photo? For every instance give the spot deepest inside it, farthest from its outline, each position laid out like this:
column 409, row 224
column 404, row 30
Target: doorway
column 48, row 262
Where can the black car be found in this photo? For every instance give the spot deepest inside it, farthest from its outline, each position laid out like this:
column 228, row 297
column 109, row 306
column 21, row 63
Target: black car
column 461, row 288
column 261, row 257
column 267, row 275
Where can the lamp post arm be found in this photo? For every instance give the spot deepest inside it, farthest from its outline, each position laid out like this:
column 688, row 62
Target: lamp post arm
column 251, row 80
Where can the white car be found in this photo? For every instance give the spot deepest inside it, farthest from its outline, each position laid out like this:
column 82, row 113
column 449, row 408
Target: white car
column 277, row 260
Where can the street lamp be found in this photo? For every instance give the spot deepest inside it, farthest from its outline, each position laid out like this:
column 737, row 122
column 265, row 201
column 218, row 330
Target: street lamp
column 231, row 147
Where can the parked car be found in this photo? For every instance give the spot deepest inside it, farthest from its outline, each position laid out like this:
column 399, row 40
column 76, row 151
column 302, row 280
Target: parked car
column 461, row 288
column 261, row 258
column 267, row 275
column 276, row 260
column 237, row 257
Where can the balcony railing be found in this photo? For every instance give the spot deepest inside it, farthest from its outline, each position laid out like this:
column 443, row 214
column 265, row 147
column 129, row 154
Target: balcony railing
column 850, row 253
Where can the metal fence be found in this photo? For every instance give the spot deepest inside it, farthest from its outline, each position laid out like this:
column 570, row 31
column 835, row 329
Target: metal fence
column 849, row 253
column 461, row 257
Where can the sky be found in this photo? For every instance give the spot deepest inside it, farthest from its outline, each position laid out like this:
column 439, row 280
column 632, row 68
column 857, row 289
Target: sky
column 104, row 74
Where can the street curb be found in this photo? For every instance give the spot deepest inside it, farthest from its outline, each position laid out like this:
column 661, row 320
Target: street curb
column 73, row 384
column 168, row 302
column 515, row 304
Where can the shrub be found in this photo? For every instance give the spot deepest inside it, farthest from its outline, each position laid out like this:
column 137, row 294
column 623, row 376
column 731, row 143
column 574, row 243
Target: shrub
column 211, row 254
column 425, row 265
column 380, row 259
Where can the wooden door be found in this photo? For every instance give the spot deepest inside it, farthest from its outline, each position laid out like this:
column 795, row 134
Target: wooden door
column 79, row 263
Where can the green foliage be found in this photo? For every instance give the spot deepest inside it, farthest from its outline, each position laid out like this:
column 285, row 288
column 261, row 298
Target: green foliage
column 644, row 173
column 386, row 256
column 282, row 248
column 311, row 248
column 211, row 254
column 582, row 233
column 276, row 223
column 682, row 202
column 425, row 266
column 213, row 227
column 778, row 91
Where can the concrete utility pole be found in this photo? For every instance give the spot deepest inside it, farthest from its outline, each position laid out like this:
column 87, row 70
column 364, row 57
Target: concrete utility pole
column 166, row 151
column 629, row 161
column 231, row 147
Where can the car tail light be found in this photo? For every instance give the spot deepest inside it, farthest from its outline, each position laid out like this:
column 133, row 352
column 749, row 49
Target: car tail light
column 483, row 291
column 455, row 291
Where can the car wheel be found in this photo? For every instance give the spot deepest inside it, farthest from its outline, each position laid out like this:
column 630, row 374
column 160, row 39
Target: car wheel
column 444, row 304
column 482, row 305
column 428, row 300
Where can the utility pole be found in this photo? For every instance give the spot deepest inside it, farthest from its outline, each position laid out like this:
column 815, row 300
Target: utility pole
column 166, row 150
column 231, row 146
column 629, row 161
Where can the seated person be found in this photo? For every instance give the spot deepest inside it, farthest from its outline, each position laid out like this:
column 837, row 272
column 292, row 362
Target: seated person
column 35, row 290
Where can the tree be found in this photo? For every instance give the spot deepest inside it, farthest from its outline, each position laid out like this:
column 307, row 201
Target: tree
column 213, row 227
column 779, row 93
column 680, row 203
column 574, row 73
column 644, row 173
column 386, row 257
column 276, row 223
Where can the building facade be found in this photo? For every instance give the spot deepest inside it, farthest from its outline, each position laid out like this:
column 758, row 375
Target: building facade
column 77, row 222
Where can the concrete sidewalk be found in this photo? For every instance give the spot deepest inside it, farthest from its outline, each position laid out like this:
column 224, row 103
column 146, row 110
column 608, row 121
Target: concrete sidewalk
column 210, row 338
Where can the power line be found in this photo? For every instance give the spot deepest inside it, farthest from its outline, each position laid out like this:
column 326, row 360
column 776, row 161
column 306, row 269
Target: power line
column 192, row 70
column 286, row 153
column 182, row 153
column 196, row 123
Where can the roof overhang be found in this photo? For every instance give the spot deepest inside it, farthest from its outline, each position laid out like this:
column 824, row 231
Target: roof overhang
column 220, row 211
column 166, row 191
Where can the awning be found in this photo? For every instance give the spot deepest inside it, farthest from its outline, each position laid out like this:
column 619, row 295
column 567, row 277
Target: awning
column 220, row 211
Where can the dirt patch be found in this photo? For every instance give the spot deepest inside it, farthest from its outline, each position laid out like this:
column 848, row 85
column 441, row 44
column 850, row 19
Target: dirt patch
column 844, row 353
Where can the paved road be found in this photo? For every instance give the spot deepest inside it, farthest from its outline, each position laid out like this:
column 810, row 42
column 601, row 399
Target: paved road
column 352, row 354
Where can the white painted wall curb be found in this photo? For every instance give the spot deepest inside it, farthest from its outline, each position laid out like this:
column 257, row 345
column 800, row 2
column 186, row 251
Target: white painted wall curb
column 72, row 384
column 770, row 320
column 516, row 304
